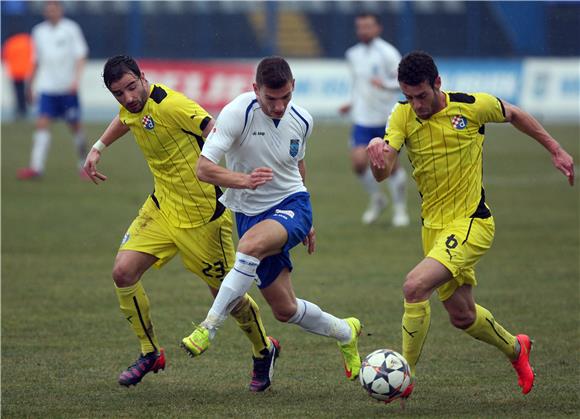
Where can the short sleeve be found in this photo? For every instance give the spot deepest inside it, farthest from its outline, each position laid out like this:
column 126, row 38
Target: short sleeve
column 81, row 50
column 489, row 108
column 188, row 114
column 392, row 57
column 228, row 128
column 395, row 133
column 36, row 43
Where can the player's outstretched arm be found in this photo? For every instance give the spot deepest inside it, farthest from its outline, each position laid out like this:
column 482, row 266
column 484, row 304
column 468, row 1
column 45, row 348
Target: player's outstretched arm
column 529, row 125
column 302, row 170
column 79, row 68
column 344, row 109
column 29, row 94
column 113, row 132
column 210, row 172
column 382, row 157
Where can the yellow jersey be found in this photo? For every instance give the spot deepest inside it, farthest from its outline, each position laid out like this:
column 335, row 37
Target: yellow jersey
column 169, row 132
column 446, row 154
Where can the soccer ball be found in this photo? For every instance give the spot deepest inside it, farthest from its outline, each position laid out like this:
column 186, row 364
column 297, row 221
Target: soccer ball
column 385, row 374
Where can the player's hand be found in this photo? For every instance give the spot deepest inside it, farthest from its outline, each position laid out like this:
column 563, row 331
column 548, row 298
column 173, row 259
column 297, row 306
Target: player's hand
column 344, row 109
column 259, row 176
column 376, row 151
column 377, row 82
column 310, row 241
column 564, row 163
column 74, row 88
column 90, row 166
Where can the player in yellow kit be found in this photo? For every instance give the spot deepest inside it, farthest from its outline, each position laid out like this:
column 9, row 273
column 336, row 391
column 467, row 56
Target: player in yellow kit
column 182, row 215
column 444, row 133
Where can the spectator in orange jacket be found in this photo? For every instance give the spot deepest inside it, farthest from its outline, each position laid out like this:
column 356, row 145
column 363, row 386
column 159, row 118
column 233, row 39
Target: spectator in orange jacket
column 18, row 56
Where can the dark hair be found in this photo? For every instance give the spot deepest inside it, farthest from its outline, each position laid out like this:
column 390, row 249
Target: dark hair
column 374, row 16
column 53, row 3
column 273, row 72
column 117, row 66
column 417, row 67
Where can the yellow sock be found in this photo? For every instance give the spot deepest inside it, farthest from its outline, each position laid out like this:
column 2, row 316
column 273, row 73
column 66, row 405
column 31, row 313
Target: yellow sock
column 416, row 320
column 135, row 306
column 486, row 329
column 247, row 315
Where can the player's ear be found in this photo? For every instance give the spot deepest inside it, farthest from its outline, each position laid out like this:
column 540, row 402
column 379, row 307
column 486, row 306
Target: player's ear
column 293, row 83
column 437, row 83
column 256, row 89
column 142, row 76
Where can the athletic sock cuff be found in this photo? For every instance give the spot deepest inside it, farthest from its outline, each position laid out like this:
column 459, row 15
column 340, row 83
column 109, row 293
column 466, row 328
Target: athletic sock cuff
column 417, row 309
column 128, row 290
column 246, row 264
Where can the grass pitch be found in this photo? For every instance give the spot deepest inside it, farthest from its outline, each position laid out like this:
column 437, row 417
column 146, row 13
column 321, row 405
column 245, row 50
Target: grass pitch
column 64, row 340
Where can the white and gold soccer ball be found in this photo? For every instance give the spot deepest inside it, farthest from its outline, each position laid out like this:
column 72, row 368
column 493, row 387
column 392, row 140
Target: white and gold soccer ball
column 385, row 374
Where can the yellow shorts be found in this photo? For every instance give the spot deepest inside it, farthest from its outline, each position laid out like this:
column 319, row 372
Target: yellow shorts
column 459, row 246
column 207, row 251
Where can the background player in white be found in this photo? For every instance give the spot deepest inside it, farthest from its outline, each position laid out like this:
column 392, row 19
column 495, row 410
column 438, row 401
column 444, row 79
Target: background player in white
column 373, row 64
column 61, row 52
column 263, row 136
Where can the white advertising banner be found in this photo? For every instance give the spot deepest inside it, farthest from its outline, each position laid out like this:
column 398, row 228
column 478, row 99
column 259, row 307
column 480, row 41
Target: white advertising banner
column 551, row 89
column 321, row 86
column 548, row 88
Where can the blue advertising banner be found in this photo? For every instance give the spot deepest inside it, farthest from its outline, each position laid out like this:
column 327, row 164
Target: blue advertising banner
column 501, row 78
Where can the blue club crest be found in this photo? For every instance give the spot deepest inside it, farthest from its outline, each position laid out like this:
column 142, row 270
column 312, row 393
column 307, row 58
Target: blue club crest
column 148, row 122
column 294, row 147
column 459, row 122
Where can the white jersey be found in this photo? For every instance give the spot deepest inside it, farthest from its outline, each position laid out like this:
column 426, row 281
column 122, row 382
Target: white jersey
column 249, row 139
column 372, row 105
column 58, row 48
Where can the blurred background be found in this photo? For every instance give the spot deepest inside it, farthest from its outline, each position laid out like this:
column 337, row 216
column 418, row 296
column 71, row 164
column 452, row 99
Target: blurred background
column 526, row 52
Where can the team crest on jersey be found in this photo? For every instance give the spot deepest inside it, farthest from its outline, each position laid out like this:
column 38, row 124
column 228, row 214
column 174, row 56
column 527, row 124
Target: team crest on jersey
column 459, row 122
column 294, row 147
column 148, row 122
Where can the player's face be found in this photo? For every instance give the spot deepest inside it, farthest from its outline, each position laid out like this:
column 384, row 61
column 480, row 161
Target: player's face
column 53, row 12
column 424, row 99
column 274, row 101
column 367, row 29
column 131, row 92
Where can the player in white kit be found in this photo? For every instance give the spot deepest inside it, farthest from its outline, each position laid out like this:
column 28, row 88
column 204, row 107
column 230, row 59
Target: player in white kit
column 61, row 52
column 373, row 64
column 263, row 135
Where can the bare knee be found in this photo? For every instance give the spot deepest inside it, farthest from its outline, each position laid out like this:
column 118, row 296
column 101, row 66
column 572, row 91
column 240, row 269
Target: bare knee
column 359, row 168
column 124, row 276
column 414, row 289
column 42, row 123
column 359, row 160
column 283, row 313
column 462, row 319
column 130, row 266
column 253, row 245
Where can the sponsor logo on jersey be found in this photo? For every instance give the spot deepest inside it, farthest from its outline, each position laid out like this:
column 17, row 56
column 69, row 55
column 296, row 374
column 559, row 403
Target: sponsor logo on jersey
column 294, row 147
column 148, row 122
column 459, row 122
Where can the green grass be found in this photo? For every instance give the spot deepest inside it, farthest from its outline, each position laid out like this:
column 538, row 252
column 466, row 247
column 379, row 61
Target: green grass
column 64, row 340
